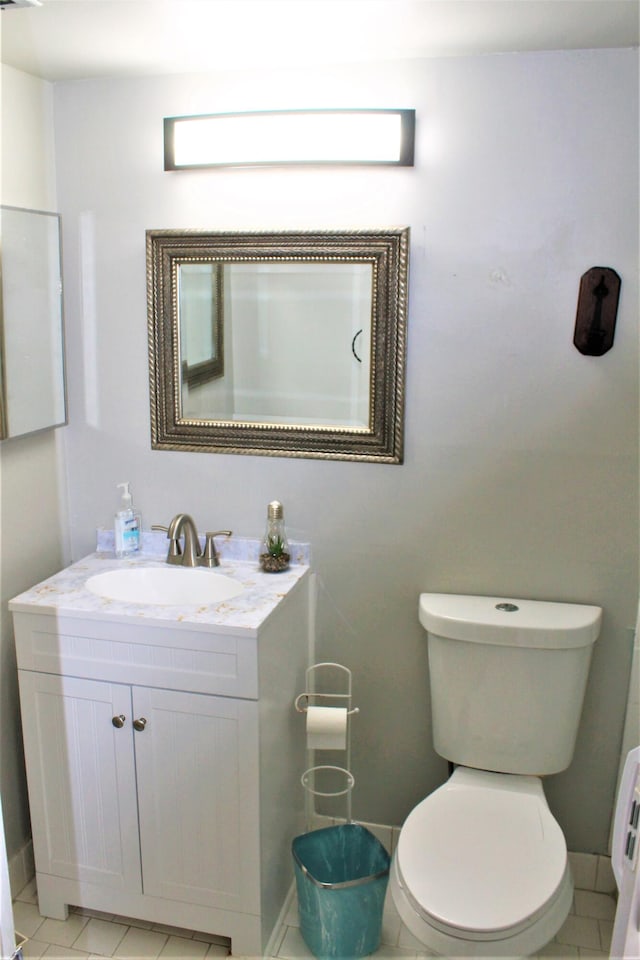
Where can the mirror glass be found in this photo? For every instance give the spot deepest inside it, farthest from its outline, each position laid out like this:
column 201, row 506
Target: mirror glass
column 32, row 388
column 288, row 344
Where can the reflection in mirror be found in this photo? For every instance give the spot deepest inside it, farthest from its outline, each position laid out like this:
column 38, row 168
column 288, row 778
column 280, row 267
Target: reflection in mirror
column 32, row 388
column 201, row 324
column 290, row 344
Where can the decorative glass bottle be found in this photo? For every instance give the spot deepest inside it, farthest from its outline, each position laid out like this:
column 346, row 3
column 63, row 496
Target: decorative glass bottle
column 274, row 551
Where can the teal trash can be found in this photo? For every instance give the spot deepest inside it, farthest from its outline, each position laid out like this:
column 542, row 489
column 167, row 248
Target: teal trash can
column 341, row 878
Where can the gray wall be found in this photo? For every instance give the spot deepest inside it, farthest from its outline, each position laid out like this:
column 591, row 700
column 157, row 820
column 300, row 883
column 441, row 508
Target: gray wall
column 33, row 521
column 520, row 476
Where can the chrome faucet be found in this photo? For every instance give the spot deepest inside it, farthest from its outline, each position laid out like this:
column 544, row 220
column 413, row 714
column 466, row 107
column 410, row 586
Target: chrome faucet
column 190, row 554
column 183, row 524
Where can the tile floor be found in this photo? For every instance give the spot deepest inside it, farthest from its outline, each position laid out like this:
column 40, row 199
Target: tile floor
column 88, row 935
column 91, row 935
column 586, row 933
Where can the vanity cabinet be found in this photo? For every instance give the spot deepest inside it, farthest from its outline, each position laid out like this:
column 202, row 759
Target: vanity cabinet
column 163, row 767
column 115, row 761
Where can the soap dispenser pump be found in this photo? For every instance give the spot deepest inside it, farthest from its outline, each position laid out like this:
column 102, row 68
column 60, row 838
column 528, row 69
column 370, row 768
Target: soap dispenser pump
column 274, row 552
column 128, row 525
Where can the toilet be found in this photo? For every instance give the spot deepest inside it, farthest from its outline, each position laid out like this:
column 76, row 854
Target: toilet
column 481, row 867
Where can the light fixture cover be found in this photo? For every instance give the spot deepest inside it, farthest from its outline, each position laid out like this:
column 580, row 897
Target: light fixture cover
column 383, row 136
column 9, row 4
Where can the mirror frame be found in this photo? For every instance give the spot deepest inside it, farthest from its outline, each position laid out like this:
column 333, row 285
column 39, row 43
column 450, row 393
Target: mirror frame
column 382, row 441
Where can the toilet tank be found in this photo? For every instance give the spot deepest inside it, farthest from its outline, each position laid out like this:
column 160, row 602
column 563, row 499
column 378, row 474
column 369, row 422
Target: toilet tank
column 507, row 679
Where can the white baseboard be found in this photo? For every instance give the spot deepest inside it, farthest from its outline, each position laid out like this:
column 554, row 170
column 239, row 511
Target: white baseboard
column 21, row 869
column 273, row 944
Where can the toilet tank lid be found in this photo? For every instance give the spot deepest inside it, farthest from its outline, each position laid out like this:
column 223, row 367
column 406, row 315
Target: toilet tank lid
column 507, row 622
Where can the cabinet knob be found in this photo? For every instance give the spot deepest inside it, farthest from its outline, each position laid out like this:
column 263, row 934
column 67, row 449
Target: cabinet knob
column 140, row 724
column 119, row 720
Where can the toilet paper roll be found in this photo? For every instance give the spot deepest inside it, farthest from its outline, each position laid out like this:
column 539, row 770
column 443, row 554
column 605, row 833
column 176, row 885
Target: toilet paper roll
column 326, row 728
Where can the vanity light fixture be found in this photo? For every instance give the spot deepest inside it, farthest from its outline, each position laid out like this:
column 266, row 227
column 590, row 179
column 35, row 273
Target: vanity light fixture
column 290, row 137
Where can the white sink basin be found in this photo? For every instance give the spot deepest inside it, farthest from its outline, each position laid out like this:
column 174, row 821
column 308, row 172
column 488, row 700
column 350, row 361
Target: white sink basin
column 164, row 585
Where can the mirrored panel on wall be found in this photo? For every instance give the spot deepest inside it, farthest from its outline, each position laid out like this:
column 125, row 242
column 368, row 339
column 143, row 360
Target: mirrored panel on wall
column 32, row 384
column 287, row 344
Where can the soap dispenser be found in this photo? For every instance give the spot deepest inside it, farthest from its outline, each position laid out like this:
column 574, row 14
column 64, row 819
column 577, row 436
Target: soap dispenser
column 274, row 551
column 128, row 525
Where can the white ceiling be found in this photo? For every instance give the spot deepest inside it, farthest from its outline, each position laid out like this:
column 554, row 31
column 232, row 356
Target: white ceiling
column 74, row 39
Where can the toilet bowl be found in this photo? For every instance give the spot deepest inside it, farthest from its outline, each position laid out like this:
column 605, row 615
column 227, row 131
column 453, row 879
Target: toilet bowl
column 481, row 867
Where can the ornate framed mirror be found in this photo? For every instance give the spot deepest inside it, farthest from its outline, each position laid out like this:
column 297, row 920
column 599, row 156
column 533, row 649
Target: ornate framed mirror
column 279, row 344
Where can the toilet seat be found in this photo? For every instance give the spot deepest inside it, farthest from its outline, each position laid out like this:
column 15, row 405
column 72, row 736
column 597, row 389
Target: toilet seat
column 482, row 858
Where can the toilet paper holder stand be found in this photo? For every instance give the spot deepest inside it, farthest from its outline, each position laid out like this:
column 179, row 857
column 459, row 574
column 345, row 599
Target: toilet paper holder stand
column 343, row 698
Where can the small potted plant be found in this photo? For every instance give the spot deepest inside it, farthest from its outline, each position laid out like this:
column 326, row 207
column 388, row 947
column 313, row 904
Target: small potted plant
column 274, row 552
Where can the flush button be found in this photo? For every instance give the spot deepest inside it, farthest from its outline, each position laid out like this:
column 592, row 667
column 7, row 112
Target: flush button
column 507, row 607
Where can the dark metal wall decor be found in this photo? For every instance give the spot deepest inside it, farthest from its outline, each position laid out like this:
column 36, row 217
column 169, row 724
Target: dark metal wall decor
column 596, row 314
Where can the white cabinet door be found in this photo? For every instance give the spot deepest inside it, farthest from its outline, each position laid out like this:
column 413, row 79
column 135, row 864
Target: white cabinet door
column 197, row 768
column 81, row 779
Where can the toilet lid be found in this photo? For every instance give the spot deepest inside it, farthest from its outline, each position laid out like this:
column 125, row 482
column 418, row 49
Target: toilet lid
column 478, row 860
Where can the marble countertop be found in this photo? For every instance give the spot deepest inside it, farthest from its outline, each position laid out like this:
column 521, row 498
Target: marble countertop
column 66, row 593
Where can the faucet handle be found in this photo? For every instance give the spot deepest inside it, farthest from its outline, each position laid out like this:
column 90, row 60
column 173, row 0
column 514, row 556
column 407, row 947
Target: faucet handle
column 174, row 546
column 210, row 557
